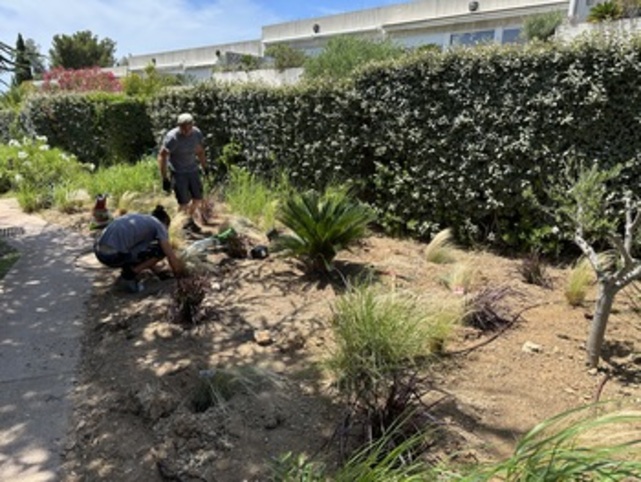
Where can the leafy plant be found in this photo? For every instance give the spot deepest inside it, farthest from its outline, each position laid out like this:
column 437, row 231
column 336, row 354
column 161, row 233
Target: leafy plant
column 602, row 12
column 542, row 26
column 440, row 250
column 32, row 170
column 579, row 280
column 321, row 225
column 118, row 179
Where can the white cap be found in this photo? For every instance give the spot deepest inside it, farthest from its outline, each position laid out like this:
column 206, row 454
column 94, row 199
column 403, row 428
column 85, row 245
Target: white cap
column 185, row 118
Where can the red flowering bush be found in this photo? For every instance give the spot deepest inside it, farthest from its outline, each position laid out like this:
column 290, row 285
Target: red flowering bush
column 80, row 80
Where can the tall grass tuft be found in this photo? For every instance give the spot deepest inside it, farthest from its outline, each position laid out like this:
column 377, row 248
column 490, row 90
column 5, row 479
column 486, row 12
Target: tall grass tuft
column 118, row 179
column 461, row 277
column 253, row 198
column 575, row 445
column 579, row 281
column 440, row 250
column 382, row 341
column 378, row 333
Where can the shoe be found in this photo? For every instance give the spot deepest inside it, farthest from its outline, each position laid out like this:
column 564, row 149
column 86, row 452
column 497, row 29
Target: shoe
column 192, row 227
column 130, row 285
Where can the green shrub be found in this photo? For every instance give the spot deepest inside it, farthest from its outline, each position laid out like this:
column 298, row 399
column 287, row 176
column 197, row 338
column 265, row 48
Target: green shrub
column 321, row 225
column 541, row 27
column 343, row 55
column 32, row 170
column 285, row 56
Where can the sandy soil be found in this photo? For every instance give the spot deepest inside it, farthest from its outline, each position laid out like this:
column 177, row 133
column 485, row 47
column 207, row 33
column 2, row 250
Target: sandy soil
column 136, row 417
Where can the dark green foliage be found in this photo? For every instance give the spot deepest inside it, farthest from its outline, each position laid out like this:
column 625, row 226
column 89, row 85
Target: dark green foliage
column 468, row 139
column 82, row 50
column 22, row 71
column 98, row 128
column 322, row 224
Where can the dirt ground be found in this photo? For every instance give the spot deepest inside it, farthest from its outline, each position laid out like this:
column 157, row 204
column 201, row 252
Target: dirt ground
column 136, row 418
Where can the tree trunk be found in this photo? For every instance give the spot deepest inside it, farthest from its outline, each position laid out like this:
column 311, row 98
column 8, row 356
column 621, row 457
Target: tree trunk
column 605, row 299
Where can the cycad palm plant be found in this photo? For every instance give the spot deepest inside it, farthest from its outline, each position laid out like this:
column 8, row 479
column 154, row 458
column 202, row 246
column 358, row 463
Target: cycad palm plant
column 321, row 224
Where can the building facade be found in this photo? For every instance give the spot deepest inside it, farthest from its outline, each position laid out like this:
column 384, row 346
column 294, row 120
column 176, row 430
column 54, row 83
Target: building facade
column 439, row 22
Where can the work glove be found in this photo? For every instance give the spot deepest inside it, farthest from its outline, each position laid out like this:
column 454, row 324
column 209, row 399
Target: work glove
column 166, row 185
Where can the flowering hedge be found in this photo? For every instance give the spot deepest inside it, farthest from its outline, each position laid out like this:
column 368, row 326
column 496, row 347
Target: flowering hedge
column 80, row 80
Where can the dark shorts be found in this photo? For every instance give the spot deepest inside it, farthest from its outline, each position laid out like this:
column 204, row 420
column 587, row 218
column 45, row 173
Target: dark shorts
column 187, row 186
column 137, row 255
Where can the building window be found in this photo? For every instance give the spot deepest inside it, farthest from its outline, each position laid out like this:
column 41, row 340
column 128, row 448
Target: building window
column 472, row 38
column 512, row 36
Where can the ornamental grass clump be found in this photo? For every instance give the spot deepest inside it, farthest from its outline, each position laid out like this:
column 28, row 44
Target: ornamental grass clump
column 321, row 225
column 440, row 250
column 383, row 341
column 579, row 281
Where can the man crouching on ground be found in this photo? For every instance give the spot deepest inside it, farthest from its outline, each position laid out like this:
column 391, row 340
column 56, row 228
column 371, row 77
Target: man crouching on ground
column 181, row 160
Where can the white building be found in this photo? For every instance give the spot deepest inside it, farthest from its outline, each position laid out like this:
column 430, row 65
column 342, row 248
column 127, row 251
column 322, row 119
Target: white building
column 439, row 22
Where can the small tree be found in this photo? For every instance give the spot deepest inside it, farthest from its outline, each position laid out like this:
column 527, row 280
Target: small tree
column 588, row 207
column 82, row 50
column 23, row 66
column 36, row 59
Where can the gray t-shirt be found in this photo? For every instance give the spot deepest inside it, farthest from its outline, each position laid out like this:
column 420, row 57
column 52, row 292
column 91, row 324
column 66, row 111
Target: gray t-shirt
column 182, row 149
column 131, row 232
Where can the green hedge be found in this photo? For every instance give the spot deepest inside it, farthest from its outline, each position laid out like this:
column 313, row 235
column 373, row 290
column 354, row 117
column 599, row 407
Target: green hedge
column 97, row 128
column 462, row 139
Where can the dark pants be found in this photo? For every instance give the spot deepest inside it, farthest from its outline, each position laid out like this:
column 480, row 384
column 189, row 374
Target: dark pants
column 187, row 186
column 128, row 260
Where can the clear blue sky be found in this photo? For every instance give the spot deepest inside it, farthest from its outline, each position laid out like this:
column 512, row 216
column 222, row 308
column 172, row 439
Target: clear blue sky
column 149, row 26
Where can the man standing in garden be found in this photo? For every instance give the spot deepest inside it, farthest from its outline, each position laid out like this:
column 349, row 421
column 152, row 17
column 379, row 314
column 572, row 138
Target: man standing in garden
column 182, row 160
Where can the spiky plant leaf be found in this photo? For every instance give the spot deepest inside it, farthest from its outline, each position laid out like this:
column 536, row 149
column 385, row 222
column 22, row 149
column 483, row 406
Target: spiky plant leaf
column 321, row 224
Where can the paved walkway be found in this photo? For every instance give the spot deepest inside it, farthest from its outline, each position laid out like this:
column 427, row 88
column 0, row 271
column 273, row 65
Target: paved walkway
column 42, row 307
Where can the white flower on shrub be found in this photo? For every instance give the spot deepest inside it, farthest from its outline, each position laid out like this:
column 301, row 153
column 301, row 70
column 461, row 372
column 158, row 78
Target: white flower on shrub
column 555, row 230
column 14, row 143
column 42, row 139
column 18, row 178
column 90, row 166
column 44, row 147
column 22, row 155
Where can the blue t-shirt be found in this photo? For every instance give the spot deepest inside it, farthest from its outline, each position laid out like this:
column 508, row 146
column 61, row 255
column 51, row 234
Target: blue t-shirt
column 182, row 149
column 126, row 233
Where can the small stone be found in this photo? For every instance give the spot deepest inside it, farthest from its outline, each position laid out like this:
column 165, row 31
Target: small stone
column 530, row 347
column 263, row 338
column 593, row 371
